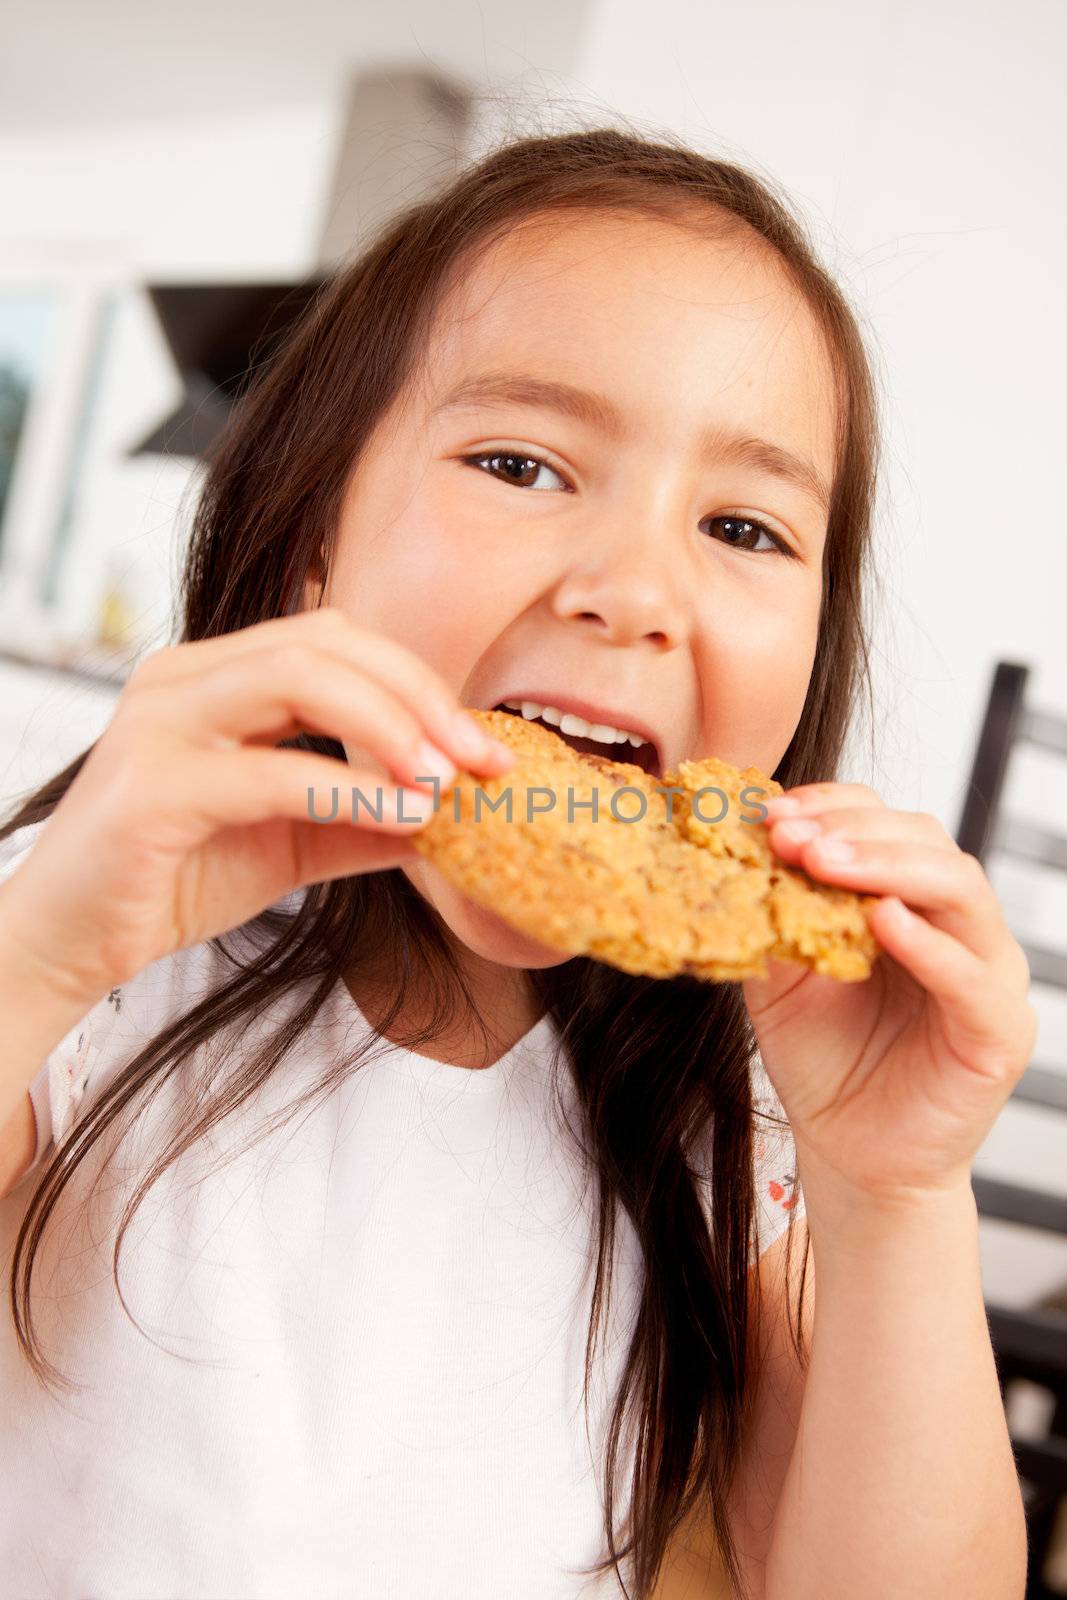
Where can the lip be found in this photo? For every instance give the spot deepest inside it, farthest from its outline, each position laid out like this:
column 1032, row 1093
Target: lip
column 613, row 716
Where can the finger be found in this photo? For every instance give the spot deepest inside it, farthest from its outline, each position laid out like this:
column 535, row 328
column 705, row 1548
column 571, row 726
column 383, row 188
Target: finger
column 948, row 886
column 809, row 798
column 426, row 694
column 251, row 785
column 987, row 1026
column 262, row 693
column 860, row 822
column 323, row 854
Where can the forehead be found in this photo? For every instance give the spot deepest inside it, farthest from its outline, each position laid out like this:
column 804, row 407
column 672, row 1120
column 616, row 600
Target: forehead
column 674, row 324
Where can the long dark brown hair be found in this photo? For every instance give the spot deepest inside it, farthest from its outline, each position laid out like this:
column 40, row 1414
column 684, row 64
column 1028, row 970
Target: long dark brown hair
column 269, row 502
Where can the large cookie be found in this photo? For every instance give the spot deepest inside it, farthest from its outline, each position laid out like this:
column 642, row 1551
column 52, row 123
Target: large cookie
column 651, row 884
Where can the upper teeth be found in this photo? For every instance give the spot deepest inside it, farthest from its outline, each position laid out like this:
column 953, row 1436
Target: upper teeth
column 567, row 722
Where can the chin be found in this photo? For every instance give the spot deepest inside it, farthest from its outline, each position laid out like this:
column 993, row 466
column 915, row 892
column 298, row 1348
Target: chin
column 480, row 929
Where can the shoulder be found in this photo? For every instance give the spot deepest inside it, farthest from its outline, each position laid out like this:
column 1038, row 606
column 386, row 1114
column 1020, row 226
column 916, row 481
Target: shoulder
column 16, row 847
column 147, row 1001
column 774, row 1165
column 92, row 1053
column 773, row 1158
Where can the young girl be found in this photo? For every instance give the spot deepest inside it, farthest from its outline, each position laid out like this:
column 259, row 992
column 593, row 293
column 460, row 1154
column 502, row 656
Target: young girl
column 506, row 1309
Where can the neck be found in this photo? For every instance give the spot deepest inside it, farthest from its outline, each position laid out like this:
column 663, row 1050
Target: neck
column 504, row 1005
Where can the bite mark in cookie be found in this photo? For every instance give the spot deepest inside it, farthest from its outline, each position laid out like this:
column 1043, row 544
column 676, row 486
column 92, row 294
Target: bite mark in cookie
column 667, row 893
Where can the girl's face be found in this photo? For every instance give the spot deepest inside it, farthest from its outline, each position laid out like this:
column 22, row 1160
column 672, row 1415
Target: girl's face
column 648, row 564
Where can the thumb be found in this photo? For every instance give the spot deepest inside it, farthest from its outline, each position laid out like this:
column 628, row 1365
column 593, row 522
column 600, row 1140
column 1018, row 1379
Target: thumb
column 339, row 851
column 762, row 995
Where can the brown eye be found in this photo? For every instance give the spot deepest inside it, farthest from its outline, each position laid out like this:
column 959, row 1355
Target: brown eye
column 740, row 533
column 517, row 466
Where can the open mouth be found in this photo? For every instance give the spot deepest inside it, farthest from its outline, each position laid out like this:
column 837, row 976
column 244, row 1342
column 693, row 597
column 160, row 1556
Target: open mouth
column 642, row 755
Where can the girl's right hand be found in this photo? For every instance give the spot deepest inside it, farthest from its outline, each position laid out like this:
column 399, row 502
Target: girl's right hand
column 185, row 822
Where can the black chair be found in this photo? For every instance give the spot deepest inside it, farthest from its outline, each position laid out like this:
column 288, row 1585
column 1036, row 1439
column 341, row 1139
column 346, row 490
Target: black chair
column 1030, row 1344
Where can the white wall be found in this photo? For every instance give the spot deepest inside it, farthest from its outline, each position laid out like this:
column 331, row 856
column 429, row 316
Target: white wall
column 925, row 146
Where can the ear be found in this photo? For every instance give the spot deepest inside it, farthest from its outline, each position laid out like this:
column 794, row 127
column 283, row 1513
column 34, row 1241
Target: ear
column 314, row 584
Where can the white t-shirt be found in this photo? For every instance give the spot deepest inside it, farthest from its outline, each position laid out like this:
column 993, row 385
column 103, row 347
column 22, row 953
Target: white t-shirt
column 365, row 1339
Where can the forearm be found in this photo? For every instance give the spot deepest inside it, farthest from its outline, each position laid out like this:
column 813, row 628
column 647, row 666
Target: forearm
column 902, row 1480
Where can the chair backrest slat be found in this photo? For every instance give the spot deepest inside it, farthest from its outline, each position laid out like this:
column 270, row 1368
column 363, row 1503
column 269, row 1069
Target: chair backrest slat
column 1042, row 1461
column 1028, row 1343
column 1037, row 1336
column 1029, row 842
column 1028, row 1208
column 1042, row 1086
column 1046, row 966
column 1004, row 711
column 1039, row 727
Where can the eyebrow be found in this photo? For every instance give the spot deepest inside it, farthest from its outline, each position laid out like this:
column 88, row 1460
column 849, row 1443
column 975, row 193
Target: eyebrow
column 720, row 442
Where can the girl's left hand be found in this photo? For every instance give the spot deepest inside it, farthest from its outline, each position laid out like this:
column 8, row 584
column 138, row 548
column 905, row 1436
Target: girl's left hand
column 891, row 1085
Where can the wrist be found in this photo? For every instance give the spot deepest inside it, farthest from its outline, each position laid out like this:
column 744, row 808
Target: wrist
column 848, row 1218
column 35, row 984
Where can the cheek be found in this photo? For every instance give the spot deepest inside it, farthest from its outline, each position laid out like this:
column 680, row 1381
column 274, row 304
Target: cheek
column 416, row 583
column 755, row 674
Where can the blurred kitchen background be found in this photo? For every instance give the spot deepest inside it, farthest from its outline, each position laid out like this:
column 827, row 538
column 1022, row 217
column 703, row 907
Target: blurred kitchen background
column 175, row 179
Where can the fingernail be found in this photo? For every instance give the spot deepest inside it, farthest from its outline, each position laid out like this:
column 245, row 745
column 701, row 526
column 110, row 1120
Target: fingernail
column 797, row 832
column 470, row 736
column 503, row 752
column 433, row 763
column 835, row 850
column 477, row 743
column 783, row 805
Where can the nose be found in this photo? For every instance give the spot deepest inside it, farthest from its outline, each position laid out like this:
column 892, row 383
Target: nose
column 626, row 595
